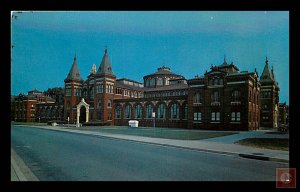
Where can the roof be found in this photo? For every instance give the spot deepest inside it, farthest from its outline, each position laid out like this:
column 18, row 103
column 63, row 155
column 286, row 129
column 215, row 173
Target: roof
column 105, row 66
column 131, row 87
column 163, row 71
column 128, row 80
column 74, row 72
column 266, row 75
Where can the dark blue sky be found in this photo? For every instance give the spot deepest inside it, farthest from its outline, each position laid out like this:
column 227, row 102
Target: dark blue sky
column 140, row 42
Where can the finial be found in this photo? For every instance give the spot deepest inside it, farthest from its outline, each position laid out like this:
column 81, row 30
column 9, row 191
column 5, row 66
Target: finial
column 266, row 60
column 224, row 58
column 105, row 50
column 75, row 56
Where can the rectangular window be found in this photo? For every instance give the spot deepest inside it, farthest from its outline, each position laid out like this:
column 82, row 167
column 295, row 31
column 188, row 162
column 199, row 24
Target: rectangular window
column 238, row 116
column 213, row 116
column 68, row 92
column 197, row 116
column 233, row 116
column 217, row 116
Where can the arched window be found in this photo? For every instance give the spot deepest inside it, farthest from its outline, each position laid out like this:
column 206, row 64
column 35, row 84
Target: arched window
column 149, row 110
column 174, row 111
column 197, row 98
column 138, row 111
column 185, row 111
column 161, row 111
column 100, row 104
column 118, row 112
column 236, row 95
column 109, row 105
column 128, row 112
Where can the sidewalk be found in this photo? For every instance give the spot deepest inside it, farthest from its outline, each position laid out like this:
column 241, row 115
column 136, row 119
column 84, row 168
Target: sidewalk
column 19, row 170
column 208, row 145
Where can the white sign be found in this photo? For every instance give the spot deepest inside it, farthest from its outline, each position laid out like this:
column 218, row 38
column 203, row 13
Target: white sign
column 153, row 114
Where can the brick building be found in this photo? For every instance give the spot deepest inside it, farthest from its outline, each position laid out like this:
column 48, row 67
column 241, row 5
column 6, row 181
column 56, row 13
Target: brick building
column 223, row 99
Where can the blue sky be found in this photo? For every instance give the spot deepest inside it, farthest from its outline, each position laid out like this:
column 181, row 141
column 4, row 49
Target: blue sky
column 139, row 42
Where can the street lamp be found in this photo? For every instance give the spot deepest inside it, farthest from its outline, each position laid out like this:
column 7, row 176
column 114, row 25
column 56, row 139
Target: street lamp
column 68, row 121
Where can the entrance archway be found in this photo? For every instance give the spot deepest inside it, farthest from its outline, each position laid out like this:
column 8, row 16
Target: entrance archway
column 80, row 112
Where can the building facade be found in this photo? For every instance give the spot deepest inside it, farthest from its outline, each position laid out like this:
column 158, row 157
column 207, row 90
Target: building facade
column 223, row 99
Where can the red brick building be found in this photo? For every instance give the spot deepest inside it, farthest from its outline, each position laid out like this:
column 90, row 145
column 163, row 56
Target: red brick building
column 223, row 99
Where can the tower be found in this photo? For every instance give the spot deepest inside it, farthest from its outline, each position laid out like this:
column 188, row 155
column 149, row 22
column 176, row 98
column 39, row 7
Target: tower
column 73, row 87
column 269, row 98
column 104, row 83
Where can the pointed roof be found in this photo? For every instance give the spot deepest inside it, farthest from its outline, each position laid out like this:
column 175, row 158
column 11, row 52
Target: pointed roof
column 74, row 72
column 105, row 66
column 266, row 75
column 225, row 63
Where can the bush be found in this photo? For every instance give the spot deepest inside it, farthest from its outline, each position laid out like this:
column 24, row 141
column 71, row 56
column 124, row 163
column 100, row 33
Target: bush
column 93, row 123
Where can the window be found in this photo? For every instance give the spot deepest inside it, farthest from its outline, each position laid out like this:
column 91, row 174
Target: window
column 92, row 92
column 138, row 111
column 210, row 82
column 185, row 111
column 236, row 116
column 215, row 96
column 128, row 112
column 215, row 116
column 159, row 81
column 197, row 116
column 109, row 103
column 174, row 111
column 216, row 82
column 161, row 111
column 77, row 92
column 152, row 82
column 197, row 98
column 149, row 110
column 100, row 104
column 148, row 83
column 109, row 88
column 221, row 82
column 167, row 81
column 100, row 88
column 236, row 95
column 68, row 92
column 118, row 112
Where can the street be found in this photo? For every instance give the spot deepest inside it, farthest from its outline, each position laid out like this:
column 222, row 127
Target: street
column 61, row 156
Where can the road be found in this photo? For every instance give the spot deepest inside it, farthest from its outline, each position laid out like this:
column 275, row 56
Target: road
column 62, row 156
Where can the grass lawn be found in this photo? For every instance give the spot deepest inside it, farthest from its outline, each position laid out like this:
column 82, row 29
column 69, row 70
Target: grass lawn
column 268, row 143
column 181, row 134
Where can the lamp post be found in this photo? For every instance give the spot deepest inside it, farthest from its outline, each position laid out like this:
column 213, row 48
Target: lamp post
column 68, row 121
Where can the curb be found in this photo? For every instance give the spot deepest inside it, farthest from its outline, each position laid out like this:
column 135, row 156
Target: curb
column 250, row 156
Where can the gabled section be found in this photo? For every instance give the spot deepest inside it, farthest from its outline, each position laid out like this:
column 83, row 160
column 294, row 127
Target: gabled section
column 74, row 72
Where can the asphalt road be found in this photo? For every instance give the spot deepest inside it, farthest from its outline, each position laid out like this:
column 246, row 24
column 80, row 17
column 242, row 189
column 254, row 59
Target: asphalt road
column 62, row 156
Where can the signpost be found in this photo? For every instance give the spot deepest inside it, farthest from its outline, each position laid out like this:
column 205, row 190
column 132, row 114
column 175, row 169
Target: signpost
column 153, row 116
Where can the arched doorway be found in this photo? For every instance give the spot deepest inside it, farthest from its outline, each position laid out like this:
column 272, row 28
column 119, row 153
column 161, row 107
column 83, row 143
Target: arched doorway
column 81, row 107
column 82, row 114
